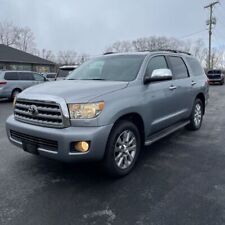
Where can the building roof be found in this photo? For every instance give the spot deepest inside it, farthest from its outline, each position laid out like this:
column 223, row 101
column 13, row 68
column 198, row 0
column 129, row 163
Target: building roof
column 9, row 54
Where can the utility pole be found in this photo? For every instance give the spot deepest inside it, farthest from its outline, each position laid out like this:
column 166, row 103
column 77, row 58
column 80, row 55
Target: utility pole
column 210, row 23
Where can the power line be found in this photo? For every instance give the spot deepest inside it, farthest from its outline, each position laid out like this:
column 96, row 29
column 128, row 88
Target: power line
column 192, row 34
column 210, row 23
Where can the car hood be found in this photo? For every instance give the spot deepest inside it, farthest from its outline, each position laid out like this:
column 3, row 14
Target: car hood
column 75, row 90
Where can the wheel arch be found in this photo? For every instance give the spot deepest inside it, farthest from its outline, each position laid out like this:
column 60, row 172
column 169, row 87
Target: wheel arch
column 135, row 118
column 201, row 96
column 15, row 89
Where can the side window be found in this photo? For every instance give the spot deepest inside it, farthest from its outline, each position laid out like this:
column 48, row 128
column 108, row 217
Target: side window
column 50, row 76
column 38, row 77
column 179, row 68
column 26, row 76
column 11, row 76
column 157, row 62
column 195, row 67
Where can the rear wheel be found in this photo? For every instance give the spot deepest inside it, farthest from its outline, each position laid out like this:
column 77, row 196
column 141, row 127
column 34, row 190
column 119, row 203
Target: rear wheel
column 123, row 148
column 196, row 116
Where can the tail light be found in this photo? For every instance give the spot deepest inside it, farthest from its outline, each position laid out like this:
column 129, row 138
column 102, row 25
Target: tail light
column 3, row 83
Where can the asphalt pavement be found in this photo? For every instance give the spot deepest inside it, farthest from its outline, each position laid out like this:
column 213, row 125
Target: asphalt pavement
column 178, row 180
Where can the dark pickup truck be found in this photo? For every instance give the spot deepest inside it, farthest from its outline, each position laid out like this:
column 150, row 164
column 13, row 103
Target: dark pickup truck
column 215, row 76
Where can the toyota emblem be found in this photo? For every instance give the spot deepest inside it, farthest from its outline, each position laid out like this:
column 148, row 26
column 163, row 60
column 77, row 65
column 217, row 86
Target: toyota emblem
column 33, row 110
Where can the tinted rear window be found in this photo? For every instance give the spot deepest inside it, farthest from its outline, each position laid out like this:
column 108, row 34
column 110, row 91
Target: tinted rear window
column 195, row 67
column 11, row 76
column 178, row 67
column 26, row 76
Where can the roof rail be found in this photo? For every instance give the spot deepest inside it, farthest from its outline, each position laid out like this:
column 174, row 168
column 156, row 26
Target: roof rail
column 169, row 50
column 109, row 53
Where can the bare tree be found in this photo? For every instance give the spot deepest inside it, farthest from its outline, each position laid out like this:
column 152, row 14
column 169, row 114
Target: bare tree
column 218, row 58
column 120, row 46
column 152, row 43
column 25, row 40
column 197, row 48
column 9, row 34
column 46, row 54
column 67, row 57
column 82, row 58
column 17, row 37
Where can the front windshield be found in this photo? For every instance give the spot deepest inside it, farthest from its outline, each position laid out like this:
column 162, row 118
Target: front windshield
column 111, row 68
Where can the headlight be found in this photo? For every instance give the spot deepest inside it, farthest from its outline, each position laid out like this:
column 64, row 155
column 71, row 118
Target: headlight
column 85, row 111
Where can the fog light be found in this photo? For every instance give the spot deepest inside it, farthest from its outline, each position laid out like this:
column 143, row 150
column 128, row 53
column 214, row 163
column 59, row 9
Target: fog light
column 81, row 146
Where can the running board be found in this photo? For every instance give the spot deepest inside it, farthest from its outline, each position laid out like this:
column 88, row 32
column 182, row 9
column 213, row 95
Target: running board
column 159, row 135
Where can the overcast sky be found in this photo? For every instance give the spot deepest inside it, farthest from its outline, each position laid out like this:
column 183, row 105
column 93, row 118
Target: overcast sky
column 89, row 26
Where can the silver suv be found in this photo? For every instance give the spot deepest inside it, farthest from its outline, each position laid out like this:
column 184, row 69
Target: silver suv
column 110, row 107
column 14, row 82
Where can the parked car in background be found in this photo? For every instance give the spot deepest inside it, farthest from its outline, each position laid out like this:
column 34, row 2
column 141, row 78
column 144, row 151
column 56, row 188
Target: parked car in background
column 64, row 71
column 110, row 107
column 14, row 82
column 215, row 76
column 50, row 76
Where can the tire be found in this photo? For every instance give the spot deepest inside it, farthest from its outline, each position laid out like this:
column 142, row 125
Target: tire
column 121, row 152
column 15, row 92
column 222, row 83
column 196, row 116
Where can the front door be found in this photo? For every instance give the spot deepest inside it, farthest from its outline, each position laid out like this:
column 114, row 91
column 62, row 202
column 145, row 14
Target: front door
column 160, row 98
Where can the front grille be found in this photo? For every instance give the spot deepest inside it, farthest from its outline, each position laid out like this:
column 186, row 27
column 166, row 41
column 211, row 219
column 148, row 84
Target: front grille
column 39, row 113
column 40, row 142
column 214, row 76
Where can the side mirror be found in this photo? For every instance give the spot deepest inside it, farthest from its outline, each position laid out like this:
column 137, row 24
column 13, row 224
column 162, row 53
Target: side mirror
column 159, row 75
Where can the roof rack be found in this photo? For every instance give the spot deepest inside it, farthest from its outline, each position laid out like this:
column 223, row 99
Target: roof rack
column 169, row 50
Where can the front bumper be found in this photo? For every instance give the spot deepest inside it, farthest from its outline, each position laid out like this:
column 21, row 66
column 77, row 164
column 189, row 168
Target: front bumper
column 97, row 136
column 216, row 80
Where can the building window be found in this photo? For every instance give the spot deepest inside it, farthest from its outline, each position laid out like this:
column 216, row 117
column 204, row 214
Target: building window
column 42, row 69
column 23, row 67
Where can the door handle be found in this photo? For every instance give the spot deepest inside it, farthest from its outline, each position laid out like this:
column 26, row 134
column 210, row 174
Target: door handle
column 173, row 87
column 193, row 83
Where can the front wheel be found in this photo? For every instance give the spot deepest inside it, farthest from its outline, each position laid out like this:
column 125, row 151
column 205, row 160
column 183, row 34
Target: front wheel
column 15, row 93
column 196, row 116
column 123, row 148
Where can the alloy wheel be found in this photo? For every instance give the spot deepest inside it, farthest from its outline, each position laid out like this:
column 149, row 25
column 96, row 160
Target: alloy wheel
column 125, row 149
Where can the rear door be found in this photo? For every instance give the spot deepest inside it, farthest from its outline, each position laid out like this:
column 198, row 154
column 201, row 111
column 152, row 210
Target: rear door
column 183, row 87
